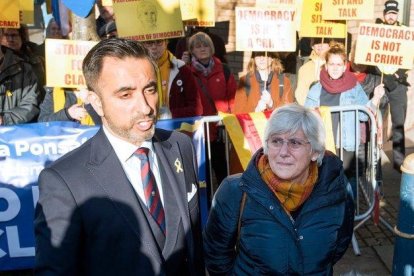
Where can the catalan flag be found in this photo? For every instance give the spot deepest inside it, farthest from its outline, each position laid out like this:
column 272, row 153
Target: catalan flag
column 246, row 132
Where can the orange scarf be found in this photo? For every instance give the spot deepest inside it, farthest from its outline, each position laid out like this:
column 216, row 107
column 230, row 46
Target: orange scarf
column 291, row 195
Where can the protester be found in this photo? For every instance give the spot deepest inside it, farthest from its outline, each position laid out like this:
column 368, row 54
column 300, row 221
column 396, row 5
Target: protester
column 108, row 30
column 181, row 47
column 67, row 104
column 106, row 209
column 339, row 87
column 19, row 98
column 290, row 213
column 18, row 41
column 218, row 87
column 178, row 93
column 396, row 87
column 106, row 14
column 309, row 72
column 264, row 87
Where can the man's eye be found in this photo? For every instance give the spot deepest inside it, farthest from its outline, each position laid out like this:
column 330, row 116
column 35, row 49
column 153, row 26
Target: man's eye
column 151, row 91
column 125, row 95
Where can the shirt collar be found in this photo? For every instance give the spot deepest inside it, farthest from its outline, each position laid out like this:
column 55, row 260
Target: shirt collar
column 123, row 149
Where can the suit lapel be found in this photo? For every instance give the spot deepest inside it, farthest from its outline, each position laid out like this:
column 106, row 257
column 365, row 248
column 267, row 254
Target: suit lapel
column 169, row 157
column 105, row 166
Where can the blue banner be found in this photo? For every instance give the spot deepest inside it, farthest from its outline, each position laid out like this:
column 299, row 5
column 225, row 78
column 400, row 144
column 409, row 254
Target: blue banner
column 25, row 150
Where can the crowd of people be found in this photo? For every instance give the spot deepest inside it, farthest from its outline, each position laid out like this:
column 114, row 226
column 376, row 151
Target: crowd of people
column 294, row 196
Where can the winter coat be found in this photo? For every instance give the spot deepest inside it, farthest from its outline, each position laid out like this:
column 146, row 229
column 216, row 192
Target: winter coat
column 353, row 96
column 248, row 93
column 48, row 111
column 19, row 94
column 272, row 242
column 220, row 90
column 184, row 98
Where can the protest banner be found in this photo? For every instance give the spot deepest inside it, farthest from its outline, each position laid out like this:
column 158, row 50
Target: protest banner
column 148, row 19
column 384, row 46
column 312, row 24
column 200, row 13
column 26, row 149
column 265, row 29
column 9, row 14
column 26, row 11
column 348, row 9
column 64, row 62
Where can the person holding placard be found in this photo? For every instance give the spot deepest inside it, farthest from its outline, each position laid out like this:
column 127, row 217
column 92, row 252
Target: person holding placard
column 178, row 93
column 337, row 87
column 264, row 87
column 396, row 87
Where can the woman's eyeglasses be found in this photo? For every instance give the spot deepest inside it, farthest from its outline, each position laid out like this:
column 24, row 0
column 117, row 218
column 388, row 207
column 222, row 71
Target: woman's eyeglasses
column 292, row 144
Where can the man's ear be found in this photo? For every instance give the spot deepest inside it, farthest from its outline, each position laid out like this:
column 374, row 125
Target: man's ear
column 96, row 103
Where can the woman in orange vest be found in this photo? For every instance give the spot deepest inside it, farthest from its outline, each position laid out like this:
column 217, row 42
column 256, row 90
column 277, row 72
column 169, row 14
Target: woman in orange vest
column 264, row 87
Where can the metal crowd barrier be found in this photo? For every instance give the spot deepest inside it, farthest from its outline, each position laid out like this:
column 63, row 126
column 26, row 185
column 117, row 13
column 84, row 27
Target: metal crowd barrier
column 368, row 190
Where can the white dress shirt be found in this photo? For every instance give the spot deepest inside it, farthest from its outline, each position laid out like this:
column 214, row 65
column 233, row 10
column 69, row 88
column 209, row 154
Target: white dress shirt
column 132, row 165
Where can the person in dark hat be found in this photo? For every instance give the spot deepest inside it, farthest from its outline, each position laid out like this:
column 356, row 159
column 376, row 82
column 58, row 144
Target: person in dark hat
column 391, row 12
column 108, row 30
column 396, row 87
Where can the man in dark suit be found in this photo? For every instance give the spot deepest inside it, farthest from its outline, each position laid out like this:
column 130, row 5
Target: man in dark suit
column 96, row 214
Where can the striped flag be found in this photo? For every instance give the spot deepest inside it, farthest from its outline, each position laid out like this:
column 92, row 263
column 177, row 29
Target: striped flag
column 246, row 132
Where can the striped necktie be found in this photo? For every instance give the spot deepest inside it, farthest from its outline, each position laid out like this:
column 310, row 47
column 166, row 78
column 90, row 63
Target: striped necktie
column 152, row 195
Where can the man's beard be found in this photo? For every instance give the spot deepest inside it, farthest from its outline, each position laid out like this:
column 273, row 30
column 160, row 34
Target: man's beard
column 128, row 134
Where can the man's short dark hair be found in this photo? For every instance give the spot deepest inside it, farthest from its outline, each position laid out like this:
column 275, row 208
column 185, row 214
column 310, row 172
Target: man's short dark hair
column 113, row 47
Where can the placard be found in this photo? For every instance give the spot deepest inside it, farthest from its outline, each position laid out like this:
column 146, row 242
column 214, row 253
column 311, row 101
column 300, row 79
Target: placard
column 260, row 29
column 348, row 9
column 64, row 62
column 201, row 13
column 385, row 46
column 148, row 19
column 312, row 24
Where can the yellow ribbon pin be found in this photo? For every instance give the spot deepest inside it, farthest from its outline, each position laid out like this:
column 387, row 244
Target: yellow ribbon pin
column 9, row 93
column 178, row 166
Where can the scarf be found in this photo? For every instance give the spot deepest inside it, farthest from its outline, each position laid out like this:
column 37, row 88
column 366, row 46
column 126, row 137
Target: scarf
column 290, row 194
column 344, row 83
column 200, row 67
column 163, row 78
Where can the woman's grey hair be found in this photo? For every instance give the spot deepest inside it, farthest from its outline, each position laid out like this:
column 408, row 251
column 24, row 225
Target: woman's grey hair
column 114, row 47
column 292, row 118
column 200, row 38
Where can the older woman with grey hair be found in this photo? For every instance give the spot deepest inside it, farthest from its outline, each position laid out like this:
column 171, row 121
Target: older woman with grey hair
column 290, row 213
column 217, row 87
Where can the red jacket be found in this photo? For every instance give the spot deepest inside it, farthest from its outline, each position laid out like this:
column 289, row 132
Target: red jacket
column 184, row 98
column 221, row 92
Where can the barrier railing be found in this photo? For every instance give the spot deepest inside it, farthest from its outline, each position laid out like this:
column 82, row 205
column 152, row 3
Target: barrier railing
column 366, row 158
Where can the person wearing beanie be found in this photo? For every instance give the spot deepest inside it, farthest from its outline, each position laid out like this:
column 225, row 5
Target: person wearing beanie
column 396, row 87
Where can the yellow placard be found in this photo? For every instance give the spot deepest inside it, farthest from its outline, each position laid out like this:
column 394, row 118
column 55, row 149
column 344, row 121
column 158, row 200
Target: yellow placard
column 385, row 46
column 312, row 25
column 198, row 13
column 27, row 11
column 148, row 19
column 107, row 3
column 265, row 29
column 9, row 14
column 348, row 9
column 64, row 62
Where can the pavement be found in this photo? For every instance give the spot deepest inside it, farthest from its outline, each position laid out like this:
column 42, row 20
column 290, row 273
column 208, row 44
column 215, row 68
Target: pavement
column 376, row 241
